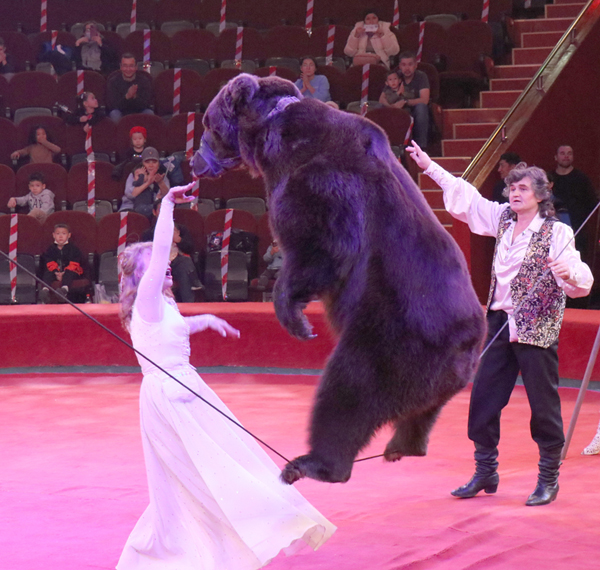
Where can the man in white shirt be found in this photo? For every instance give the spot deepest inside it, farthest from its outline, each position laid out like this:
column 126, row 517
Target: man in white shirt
column 535, row 265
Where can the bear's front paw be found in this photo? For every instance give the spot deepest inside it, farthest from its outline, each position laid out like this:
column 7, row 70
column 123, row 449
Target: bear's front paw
column 292, row 473
column 293, row 320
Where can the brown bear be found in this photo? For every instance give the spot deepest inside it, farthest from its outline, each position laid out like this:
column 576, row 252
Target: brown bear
column 357, row 233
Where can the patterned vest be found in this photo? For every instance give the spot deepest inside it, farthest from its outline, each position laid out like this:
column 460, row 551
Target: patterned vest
column 540, row 316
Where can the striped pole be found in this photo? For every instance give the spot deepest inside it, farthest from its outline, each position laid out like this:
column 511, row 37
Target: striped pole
column 176, row 90
column 239, row 44
column 223, row 13
column 421, row 40
column 364, row 97
column 485, row 12
column 80, row 76
column 225, row 252
column 44, row 17
column 91, row 199
column 133, row 22
column 310, row 4
column 89, row 151
column 122, row 237
column 396, row 18
column 330, row 41
column 272, row 70
column 146, row 46
column 53, row 38
column 12, row 254
column 196, row 190
column 409, row 132
column 189, row 135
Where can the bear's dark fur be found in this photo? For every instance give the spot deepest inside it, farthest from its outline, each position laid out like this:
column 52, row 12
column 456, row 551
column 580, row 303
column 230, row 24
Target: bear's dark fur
column 357, row 233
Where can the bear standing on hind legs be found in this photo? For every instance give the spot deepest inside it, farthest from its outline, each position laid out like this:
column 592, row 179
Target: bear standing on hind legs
column 356, row 233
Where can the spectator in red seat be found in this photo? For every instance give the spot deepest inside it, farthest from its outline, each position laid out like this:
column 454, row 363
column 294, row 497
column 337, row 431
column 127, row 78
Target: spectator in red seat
column 40, row 200
column 62, row 263
column 392, row 93
column 87, row 113
column 40, row 148
column 274, row 257
column 133, row 155
column 93, row 53
column 371, row 41
column 311, row 85
column 129, row 91
column 7, row 61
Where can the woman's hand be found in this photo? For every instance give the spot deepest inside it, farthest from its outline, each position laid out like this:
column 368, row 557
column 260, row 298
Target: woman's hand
column 360, row 30
column 419, row 156
column 202, row 322
column 560, row 268
column 177, row 194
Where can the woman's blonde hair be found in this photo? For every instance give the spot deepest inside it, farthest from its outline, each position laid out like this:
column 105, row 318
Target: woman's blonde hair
column 131, row 274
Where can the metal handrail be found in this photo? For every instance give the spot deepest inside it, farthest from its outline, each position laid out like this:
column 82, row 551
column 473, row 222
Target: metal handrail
column 501, row 129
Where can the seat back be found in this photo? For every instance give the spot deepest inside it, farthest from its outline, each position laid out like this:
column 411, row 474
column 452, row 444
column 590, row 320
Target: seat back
column 256, row 206
column 8, row 142
column 29, row 233
column 104, row 138
column 253, row 45
column 177, row 132
column 318, row 40
column 213, row 81
column 107, row 189
column 469, row 40
column 291, row 63
column 7, row 186
column 160, row 45
column 93, row 82
column 107, row 238
column 395, row 122
column 194, row 44
column 238, row 183
column 190, row 91
column 287, row 41
column 27, row 112
column 172, row 27
column 435, row 41
column 283, row 72
column 102, row 208
column 351, row 86
column 17, row 44
column 237, row 277
column 26, row 284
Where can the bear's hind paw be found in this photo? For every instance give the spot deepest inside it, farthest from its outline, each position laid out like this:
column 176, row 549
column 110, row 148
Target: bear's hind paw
column 393, row 455
column 291, row 473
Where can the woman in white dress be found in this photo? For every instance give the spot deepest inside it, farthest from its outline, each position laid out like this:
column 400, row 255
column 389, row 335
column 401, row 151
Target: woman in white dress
column 216, row 501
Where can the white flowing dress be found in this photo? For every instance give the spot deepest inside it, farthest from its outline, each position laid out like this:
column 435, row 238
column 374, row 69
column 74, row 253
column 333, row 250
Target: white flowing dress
column 216, row 501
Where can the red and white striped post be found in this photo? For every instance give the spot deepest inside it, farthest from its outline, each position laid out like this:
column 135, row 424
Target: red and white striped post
column 189, row 135
column 80, row 76
column 364, row 96
column 329, row 49
column 421, row 40
column 147, row 47
column 12, row 254
column 310, row 4
column 176, row 90
column 239, row 44
column 409, row 131
column 91, row 198
column 53, row 38
column 272, row 70
column 225, row 252
column 196, row 190
column 396, row 18
column 485, row 12
column 122, row 237
column 223, row 15
column 133, row 21
column 89, row 151
column 44, row 16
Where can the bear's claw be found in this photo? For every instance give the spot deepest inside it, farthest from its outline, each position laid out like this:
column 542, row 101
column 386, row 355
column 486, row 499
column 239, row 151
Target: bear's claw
column 291, row 473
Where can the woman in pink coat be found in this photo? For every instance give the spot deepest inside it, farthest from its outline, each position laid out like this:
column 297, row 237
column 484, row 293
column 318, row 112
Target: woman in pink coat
column 371, row 41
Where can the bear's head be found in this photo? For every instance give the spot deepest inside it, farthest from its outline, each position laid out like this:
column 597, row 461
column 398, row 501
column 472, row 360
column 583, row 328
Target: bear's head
column 240, row 109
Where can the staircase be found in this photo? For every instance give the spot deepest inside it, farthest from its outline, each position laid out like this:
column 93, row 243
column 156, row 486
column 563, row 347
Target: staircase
column 466, row 130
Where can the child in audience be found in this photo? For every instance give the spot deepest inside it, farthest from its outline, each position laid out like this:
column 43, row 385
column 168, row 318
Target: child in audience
column 40, row 147
column 274, row 258
column 39, row 199
column 391, row 96
column 133, row 155
column 87, row 113
column 61, row 263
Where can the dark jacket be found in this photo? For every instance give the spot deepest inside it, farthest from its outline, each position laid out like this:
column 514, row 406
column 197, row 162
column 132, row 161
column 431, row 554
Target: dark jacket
column 117, row 88
column 69, row 258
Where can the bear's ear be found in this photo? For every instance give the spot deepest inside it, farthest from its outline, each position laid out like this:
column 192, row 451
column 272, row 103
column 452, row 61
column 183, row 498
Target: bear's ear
column 241, row 91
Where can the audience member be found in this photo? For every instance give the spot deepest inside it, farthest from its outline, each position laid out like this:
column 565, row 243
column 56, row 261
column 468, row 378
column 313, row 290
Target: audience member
column 391, row 96
column 7, row 61
column 59, row 56
column 133, row 155
column 40, row 148
column 93, row 53
column 39, row 199
column 185, row 275
column 371, row 41
column 573, row 191
column 87, row 113
column 62, row 264
column 145, row 184
column 274, row 258
column 311, row 85
column 506, row 163
column 128, row 91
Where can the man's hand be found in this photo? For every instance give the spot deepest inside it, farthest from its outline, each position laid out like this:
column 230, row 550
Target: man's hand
column 132, row 92
column 560, row 268
column 12, row 203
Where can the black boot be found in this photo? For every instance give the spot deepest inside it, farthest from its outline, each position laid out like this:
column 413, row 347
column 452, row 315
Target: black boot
column 547, row 485
column 486, row 475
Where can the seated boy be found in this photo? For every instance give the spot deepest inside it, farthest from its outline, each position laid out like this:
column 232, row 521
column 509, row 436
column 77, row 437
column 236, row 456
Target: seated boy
column 39, row 199
column 274, row 258
column 61, row 263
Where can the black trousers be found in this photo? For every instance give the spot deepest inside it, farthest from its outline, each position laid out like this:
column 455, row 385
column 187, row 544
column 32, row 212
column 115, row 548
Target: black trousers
column 496, row 378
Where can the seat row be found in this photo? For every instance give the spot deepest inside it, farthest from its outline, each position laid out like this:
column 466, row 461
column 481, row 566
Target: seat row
column 25, row 14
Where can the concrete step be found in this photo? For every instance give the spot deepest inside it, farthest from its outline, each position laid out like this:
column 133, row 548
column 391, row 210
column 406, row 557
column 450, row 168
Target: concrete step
column 474, row 130
column 509, row 84
column 455, row 164
column 523, row 56
column 540, row 25
column 498, row 99
column 563, row 10
column 540, row 39
column 453, row 116
column 462, row 147
column 515, row 71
